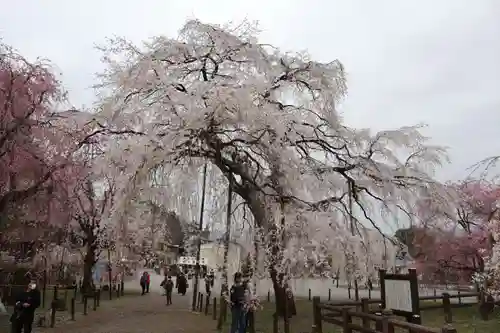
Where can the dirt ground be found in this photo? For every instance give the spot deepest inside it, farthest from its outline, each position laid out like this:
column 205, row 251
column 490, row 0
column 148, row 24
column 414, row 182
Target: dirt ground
column 140, row 314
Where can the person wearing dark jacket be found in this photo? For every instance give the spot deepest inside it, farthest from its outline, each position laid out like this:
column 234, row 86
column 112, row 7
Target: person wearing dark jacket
column 209, row 282
column 238, row 297
column 24, row 310
column 143, row 282
column 168, row 285
column 181, row 283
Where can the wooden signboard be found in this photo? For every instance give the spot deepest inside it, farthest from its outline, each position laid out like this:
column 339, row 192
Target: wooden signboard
column 399, row 293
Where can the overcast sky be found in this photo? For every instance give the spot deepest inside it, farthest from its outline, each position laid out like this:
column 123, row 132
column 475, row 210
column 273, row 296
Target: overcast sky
column 408, row 61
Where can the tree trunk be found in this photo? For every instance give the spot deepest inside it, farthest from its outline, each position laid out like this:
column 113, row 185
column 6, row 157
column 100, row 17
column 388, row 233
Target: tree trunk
column 88, row 265
column 263, row 217
column 227, row 237
column 261, row 206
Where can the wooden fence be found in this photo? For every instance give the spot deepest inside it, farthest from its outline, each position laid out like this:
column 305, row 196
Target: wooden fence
column 443, row 301
column 354, row 320
column 447, row 304
column 361, row 316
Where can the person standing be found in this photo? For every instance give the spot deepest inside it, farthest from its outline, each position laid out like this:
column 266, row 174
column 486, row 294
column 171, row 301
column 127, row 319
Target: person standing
column 148, row 282
column 143, row 282
column 181, row 284
column 24, row 311
column 238, row 294
column 168, row 285
column 208, row 284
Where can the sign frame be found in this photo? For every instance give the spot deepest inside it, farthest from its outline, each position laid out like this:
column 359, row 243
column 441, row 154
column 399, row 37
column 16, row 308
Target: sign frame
column 412, row 316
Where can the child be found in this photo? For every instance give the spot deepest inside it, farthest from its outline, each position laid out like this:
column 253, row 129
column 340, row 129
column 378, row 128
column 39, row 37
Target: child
column 168, row 285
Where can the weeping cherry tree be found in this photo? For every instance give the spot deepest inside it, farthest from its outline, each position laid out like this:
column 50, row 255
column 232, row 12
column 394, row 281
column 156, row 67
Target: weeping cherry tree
column 268, row 121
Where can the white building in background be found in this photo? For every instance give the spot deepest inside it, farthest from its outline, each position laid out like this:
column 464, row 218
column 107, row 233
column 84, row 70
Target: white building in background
column 213, row 256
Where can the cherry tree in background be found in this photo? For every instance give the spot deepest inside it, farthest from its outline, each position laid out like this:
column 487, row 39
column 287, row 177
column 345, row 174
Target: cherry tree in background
column 28, row 94
column 457, row 240
column 53, row 198
column 34, row 151
column 268, row 121
column 489, row 209
column 453, row 257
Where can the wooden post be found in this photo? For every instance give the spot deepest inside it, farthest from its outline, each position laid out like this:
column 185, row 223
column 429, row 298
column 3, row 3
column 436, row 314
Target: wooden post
column 251, row 322
column 387, row 327
column 53, row 307
column 214, row 309
column 309, row 293
column 269, row 295
column 415, row 302
column 365, row 308
column 222, row 310
column 85, row 301
column 226, row 306
column 207, row 305
column 66, row 296
column 346, row 320
column 201, row 302
column 44, row 286
column 378, row 323
column 275, row 323
column 286, row 317
column 349, row 291
column 381, row 278
column 72, row 309
column 486, row 306
column 435, row 299
column 329, row 294
column 369, row 293
column 317, row 320
column 55, row 296
column 447, row 308
column 122, row 287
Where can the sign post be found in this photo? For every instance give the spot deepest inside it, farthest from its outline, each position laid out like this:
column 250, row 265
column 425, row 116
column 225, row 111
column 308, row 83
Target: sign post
column 399, row 293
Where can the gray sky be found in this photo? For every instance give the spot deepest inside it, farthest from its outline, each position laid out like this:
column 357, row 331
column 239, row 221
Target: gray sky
column 408, row 61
